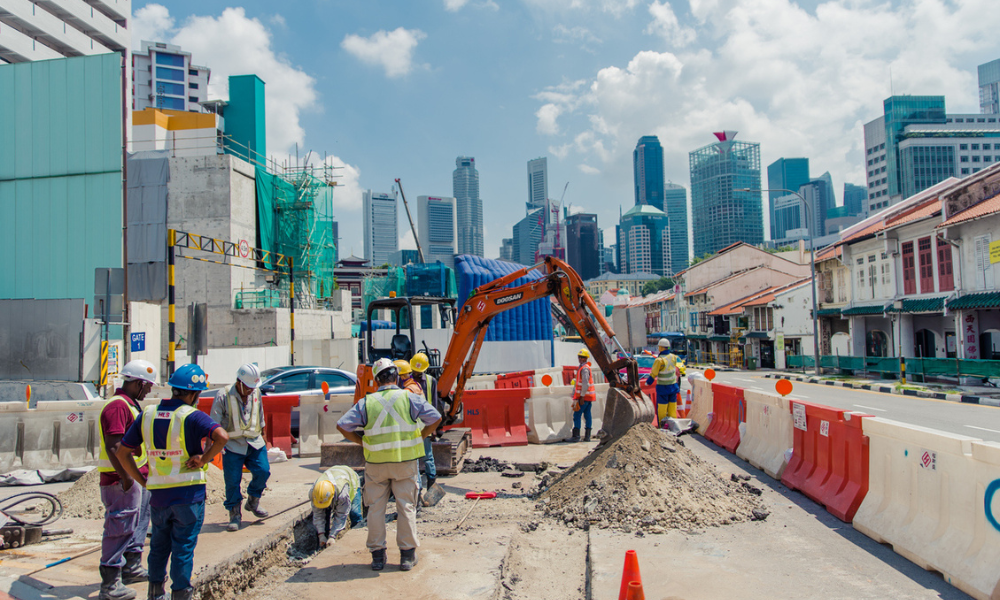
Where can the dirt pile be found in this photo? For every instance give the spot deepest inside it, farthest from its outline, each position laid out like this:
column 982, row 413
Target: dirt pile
column 648, row 481
column 83, row 500
column 485, row 464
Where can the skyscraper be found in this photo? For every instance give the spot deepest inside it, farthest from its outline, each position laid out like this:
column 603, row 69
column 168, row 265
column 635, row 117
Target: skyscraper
column 900, row 111
column 436, row 225
column 507, row 249
column 163, row 77
column 675, row 200
column 855, row 199
column 469, row 206
column 527, row 235
column 538, row 183
column 721, row 215
column 819, row 197
column 875, row 153
column 381, row 227
column 989, row 87
column 647, row 171
column 582, row 245
column 784, row 174
column 644, row 239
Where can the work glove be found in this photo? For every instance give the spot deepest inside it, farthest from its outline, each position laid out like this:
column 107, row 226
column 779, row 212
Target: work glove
column 323, row 541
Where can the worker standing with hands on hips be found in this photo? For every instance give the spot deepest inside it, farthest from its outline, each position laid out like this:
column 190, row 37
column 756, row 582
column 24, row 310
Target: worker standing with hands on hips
column 428, row 389
column 664, row 372
column 172, row 432
column 336, row 495
column 126, row 505
column 584, row 397
column 240, row 411
column 390, row 424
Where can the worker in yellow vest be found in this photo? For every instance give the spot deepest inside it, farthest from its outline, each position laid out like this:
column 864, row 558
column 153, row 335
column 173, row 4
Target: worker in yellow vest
column 584, row 396
column 664, row 373
column 172, row 432
column 391, row 425
column 406, row 380
column 126, row 505
column 336, row 496
column 427, row 387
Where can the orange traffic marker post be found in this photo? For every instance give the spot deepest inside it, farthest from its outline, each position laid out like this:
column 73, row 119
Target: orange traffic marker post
column 630, row 575
column 783, row 387
column 710, row 374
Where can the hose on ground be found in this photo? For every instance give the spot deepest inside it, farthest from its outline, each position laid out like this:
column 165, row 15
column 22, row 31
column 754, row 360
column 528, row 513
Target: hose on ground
column 53, row 515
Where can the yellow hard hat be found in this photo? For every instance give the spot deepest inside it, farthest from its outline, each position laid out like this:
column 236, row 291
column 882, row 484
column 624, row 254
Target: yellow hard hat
column 419, row 362
column 584, row 353
column 323, row 492
column 403, row 366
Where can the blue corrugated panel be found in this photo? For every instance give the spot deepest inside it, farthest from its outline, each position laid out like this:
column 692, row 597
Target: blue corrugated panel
column 532, row 321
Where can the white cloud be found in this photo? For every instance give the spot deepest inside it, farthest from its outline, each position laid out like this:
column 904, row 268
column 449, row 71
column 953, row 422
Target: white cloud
column 548, row 115
column 407, row 241
column 578, row 34
column 391, row 50
column 454, row 5
column 589, row 170
column 613, row 7
column 151, row 23
column 666, row 25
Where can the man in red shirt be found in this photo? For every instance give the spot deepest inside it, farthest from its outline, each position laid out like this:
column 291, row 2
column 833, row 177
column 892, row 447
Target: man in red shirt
column 126, row 505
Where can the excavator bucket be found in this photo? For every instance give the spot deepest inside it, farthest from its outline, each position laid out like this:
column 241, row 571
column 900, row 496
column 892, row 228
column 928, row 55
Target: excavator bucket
column 622, row 411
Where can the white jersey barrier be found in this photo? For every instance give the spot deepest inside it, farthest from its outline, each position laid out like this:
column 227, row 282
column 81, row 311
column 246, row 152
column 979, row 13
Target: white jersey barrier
column 934, row 496
column 768, row 434
column 701, row 401
column 549, row 412
column 554, row 372
column 481, row 382
column 53, row 434
column 318, row 418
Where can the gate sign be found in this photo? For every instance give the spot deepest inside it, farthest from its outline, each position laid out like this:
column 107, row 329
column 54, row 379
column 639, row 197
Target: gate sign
column 799, row 416
column 138, row 341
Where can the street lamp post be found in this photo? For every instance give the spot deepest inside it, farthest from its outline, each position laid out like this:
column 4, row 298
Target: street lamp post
column 812, row 264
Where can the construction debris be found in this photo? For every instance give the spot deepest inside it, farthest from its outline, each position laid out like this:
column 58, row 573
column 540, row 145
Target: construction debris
column 485, row 464
column 646, row 481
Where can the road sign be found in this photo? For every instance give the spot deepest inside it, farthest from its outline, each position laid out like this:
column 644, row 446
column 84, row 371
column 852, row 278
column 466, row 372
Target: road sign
column 138, row 341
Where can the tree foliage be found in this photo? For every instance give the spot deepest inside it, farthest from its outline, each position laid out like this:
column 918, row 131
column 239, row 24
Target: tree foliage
column 651, row 287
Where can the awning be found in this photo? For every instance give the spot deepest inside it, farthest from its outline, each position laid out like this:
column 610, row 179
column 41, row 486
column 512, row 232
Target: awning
column 719, row 338
column 828, row 312
column 980, row 300
column 760, row 335
column 871, row 310
column 696, row 337
column 920, row 305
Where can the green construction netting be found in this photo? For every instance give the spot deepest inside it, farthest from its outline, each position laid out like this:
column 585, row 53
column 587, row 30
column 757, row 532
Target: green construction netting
column 380, row 287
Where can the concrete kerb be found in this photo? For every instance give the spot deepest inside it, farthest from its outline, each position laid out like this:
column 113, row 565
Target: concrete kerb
column 885, row 389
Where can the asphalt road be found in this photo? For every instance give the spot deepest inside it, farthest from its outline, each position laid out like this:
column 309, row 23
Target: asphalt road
column 973, row 420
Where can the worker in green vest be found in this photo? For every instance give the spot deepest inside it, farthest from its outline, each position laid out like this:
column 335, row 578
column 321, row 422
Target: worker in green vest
column 336, row 496
column 428, row 388
column 391, row 425
column 664, row 373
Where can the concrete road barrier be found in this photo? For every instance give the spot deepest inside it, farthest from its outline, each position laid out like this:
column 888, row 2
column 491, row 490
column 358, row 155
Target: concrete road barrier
column 549, row 412
column 702, row 403
column 310, row 408
column 58, row 434
column 768, row 432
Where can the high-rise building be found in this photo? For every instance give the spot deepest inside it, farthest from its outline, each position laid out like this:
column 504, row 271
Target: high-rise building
column 877, row 175
column 381, row 227
column 31, row 31
column 582, row 245
column 788, row 219
column 644, row 239
column 900, row 111
column 721, row 215
column 855, row 199
column 989, row 87
column 538, row 183
column 819, row 197
column 647, row 171
column 527, row 235
column 468, row 206
column 507, row 249
column 675, row 201
column 164, row 77
column 784, row 174
column 437, row 228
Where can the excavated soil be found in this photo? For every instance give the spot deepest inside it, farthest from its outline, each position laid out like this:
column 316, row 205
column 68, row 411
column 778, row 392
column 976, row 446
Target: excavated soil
column 647, row 481
column 83, row 499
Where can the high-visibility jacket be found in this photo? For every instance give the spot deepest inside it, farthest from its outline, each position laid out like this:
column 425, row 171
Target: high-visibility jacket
column 341, row 477
column 238, row 426
column 103, row 462
column 584, row 388
column 427, row 389
column 391, row 434
column 665, row 369
column 167, row 467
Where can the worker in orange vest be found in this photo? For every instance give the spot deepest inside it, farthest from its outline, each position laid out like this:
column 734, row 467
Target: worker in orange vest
column 584, row 396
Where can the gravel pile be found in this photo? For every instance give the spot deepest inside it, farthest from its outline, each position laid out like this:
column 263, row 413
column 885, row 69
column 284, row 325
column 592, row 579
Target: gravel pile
column 485, row 464
column 647, row 481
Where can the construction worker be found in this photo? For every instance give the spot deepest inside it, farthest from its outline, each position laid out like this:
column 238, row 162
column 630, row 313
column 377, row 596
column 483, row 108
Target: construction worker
column 172, row 432
column 584, row 396
column 664, row 372
column 126, row 505
column 336, row 495
column 240, row 411
column 406, row 380
column 428, row 389
column 394, row 423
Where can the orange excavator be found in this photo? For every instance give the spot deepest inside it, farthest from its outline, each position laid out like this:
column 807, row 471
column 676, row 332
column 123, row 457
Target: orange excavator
column 625, row 404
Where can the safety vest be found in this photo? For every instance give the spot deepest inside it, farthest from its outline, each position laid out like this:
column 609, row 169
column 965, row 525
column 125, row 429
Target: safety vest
column 238, row 426
column 341, row 476
column 667, row 373
column 167, row 465
column 428, row 387
column 391, row 435
column 103, row 462
column 584, row 388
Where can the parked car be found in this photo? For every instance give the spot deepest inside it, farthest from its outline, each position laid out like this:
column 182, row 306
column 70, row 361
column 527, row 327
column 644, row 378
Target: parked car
column 305, row 380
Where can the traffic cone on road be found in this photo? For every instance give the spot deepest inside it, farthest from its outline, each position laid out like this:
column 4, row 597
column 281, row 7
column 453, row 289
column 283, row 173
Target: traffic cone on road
column 634, row 591
column 630, row 574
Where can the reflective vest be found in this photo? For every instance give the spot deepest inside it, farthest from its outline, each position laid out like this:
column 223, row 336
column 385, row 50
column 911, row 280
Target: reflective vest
column 103, row 462
column 167, row 464
column 391, row 435
column 238, row 426
column 584, row 388
column 665, row 369
column 341, row 476
column 428, row 388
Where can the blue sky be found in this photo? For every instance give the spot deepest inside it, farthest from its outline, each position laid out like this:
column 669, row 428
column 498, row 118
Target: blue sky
column 400, row 89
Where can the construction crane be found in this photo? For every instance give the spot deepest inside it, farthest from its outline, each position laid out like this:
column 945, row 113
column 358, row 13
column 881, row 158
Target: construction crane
column 420, row 252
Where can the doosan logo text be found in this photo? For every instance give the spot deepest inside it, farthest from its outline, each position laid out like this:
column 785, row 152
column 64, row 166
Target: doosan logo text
column 508, row 299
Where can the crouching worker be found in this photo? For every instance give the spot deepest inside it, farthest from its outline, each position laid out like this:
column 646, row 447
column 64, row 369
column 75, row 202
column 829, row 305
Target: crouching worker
column 336, row 496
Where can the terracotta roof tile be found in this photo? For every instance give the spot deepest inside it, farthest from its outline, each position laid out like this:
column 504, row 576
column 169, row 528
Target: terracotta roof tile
column 987, row 207
column 915, row 214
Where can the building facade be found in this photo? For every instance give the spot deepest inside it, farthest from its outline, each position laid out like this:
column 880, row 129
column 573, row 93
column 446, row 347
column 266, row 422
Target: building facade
column 675, row 200
column 644, row 240
column 631, row 283
column 438, row 229
column 381, row 225
column 877, row 167
column 538, row 183
column 647, row 171
column 468, row 206
column 989, row 87
column 582, row 245
column 784, row 174
column 819, row 197
column 855, row 200
column 31, row 31
column 721, row 215
column 507, row 249
column 163, row 76
column 527, row 235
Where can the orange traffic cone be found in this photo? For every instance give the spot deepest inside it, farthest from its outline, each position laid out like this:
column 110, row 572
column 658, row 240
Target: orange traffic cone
column 634, row 591
column 630, row 574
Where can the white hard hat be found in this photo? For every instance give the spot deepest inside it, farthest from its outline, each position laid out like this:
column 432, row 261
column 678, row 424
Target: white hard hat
column 663, row 343
column 249, row 375
column 381, row 365
column 142, row 370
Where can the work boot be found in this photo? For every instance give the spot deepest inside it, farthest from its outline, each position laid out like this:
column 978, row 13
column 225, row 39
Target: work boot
column 586, row 434
column 253, row 505
column 156, row 591
column 111, row 585
column 407, row 559
column 133, row 572
column 378, row 560
column 235, row 516
column 576, row 435
column 184, row 594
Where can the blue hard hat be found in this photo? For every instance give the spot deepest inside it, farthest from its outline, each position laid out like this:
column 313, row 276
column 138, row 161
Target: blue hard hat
column 189, row 377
